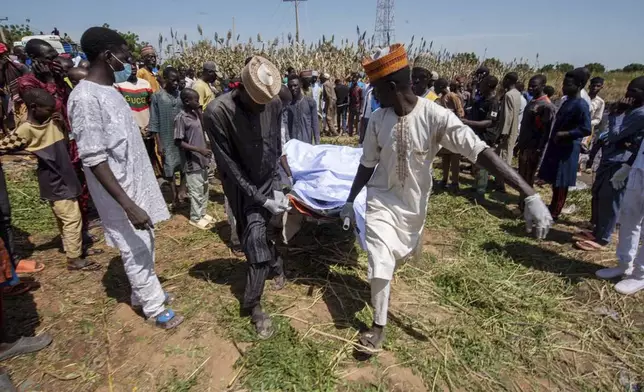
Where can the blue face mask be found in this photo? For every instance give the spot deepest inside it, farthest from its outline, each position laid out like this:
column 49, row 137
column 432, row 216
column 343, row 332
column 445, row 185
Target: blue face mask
column 124, row 75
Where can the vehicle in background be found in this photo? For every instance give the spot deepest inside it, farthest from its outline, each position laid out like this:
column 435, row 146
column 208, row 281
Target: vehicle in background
column 55, row 41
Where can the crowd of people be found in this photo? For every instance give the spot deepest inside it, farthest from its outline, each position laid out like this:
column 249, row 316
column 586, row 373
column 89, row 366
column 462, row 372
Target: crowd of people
column 106, row 131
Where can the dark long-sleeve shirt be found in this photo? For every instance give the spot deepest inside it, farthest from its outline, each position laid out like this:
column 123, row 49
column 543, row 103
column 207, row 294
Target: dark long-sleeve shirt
column 303, row 123
column 342, row 94
column 246, row 145
column 536, row 124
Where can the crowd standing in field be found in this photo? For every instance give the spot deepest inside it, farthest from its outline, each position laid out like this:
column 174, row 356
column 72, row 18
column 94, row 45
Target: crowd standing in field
column 107, row 132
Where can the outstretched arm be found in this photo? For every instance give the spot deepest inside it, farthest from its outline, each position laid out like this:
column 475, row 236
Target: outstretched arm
column 490, row 161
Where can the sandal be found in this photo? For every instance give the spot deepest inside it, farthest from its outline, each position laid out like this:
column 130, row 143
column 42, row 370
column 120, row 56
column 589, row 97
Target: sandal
column 167, row 320
column 82, row 265
column 371, row 340
column 26, row 345
column 589, row 246
column 263, row 326
column 29, row 267
column 202, row 224
column 209, row 218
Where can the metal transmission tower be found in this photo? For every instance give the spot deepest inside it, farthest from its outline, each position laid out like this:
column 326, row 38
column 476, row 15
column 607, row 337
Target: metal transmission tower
column 385, row 28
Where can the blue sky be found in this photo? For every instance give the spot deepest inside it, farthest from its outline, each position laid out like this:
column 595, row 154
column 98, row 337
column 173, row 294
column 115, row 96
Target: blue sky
column 573, row 31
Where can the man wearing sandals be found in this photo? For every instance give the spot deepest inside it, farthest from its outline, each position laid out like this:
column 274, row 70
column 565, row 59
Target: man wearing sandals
column 401, row 141
column 244, row 128
column 119, row 173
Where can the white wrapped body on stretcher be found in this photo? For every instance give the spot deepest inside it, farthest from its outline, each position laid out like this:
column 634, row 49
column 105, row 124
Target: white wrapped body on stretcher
column 323, row 176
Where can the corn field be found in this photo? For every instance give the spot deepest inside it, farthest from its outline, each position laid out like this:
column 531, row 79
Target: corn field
column 341, row 58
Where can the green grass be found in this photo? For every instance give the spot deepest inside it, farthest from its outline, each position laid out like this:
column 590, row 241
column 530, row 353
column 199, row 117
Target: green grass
column 28, row 212
column 485, row 308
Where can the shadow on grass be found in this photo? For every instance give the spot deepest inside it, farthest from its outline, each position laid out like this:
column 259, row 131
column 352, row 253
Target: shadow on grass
column 23, row 246
column 519, row 230
column 536, row 257
column 115, row 282
column 324, row 257
column 216, row 196
column 223, row 271
column 496, row 208
column 20, row 317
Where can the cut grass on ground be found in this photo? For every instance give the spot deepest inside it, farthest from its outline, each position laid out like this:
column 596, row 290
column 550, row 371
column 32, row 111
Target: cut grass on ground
column 485, row 308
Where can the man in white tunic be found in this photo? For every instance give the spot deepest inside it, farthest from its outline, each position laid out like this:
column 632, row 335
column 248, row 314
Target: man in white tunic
column 400, row 144
column 118, row 170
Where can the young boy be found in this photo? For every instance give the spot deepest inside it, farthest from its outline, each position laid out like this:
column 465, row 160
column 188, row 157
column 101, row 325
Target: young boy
column 189, row 136
column 41, row 135
column 164, row 107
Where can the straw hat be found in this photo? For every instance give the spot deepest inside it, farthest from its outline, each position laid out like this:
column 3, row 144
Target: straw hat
column 261, row 80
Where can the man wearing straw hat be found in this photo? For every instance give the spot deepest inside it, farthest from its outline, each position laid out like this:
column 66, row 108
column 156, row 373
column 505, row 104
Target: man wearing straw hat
column 244, row 127
column 401, row 141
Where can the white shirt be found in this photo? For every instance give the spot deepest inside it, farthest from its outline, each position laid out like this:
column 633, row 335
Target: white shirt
column 586, row 97
column 402, row 150
column 366, row 107
column 189, row 82
column 317, row 95
column 105, row 131
column 596, row 111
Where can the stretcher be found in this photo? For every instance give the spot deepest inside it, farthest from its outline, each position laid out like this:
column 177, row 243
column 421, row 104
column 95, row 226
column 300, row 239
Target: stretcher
column 322, row 176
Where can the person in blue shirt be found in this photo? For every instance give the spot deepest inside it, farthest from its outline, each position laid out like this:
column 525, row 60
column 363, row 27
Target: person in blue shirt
column 572, row 123
column 625, row 129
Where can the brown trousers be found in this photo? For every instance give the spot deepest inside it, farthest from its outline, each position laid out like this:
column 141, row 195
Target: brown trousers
column 70, row 224
column 331, row 118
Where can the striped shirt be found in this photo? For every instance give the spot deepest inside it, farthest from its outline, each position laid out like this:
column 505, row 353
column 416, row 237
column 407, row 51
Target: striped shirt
column 138, row 96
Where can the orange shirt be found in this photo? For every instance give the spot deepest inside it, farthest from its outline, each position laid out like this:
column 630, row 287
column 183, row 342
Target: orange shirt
column 143, row 73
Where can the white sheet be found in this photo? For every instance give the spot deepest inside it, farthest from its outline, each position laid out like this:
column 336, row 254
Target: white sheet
column 323, row 176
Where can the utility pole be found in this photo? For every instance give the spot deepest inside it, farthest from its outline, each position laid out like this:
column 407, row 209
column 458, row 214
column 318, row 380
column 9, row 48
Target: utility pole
column 297, row 18
column 234, row 36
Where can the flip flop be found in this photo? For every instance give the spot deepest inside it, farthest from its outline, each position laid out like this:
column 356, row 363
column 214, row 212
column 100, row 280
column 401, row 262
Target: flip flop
column 26, row 345
column 589, row 246
column 209, row 218
column 29, row 267
column 371, row 341
column 83, row 265
column 203, row 224
column 167, row 320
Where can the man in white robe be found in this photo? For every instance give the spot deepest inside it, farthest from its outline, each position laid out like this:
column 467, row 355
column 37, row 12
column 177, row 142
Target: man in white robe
column 400, row 144
column 118, row 171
